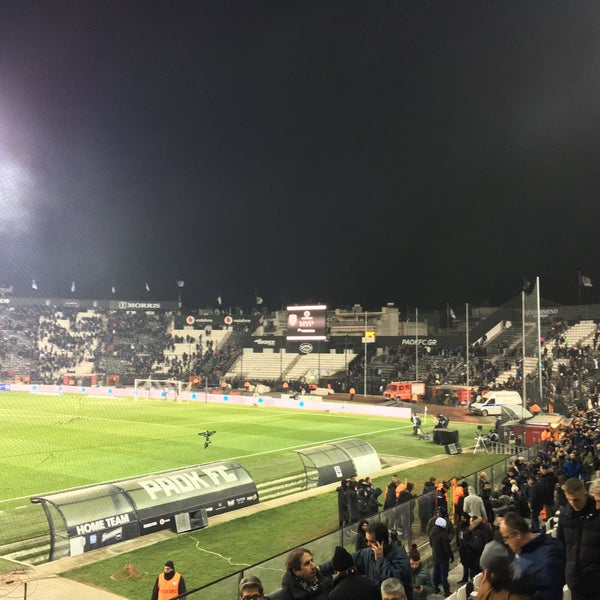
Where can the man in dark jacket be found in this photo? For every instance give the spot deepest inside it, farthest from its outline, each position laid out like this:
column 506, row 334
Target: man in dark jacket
column 538, row 558
column 348, row 583
column 579, row 531
column 441, row 554
column 302, row 579
column 381, row 560
column 342, row 498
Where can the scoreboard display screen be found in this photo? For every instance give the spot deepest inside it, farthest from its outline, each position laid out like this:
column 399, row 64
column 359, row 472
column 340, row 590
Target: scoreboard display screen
column 306, row 323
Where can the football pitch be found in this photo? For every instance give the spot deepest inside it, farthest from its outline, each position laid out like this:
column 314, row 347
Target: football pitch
column 52, row 443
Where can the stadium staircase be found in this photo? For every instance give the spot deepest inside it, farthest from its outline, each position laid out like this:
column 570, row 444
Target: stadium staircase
column 281, row 487
column 33, row 551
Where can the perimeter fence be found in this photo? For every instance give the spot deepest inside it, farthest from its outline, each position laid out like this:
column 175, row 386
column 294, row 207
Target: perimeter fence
column 402, row 519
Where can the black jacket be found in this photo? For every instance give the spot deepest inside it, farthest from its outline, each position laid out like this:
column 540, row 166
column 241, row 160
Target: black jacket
column 351, row 585
column 439, row 540
column 292, row 590
column 580, row 533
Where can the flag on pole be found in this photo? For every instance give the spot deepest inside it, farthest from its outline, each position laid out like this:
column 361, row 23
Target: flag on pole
column 147, row 286
column 586, row 281
column 72, row 287
column 180, row 283
column 34, row 284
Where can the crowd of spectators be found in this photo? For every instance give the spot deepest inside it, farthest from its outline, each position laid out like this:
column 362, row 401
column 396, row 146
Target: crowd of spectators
column 50, row 344
column 523, row 536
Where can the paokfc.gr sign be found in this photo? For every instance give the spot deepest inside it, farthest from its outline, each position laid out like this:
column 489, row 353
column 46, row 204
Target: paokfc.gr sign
column 418, row 341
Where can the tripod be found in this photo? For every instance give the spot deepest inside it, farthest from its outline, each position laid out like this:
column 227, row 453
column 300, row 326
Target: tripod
column 480, row 445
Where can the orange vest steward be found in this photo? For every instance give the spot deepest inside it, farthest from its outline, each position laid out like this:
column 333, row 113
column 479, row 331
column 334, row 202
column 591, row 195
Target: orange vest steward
column 168, row 588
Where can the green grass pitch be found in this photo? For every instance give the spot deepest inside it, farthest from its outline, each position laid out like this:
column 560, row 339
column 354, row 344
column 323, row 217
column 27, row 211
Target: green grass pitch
column 51, row 443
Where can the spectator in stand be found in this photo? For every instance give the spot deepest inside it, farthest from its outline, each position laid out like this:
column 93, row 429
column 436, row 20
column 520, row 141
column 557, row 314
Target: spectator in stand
column 381, row 559
column 579, row 531
column 251, row 588
column 486, row 496
column 361, row 535
column 573, row 467
column 426, row 504
column 442, row 556
column 474, row 505
column 539, row 558
column 422, row 585
column 459, row 491
column 594, row 491
column 348, row 583
column 496, row 581
column 441, row 498
column 342, row 502
column 392, row 589
column 483, row 479
column 480, row 534
column 302, row 579
column 462, row 543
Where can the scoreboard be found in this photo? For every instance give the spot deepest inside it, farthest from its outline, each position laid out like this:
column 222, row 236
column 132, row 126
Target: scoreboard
column 306, row 323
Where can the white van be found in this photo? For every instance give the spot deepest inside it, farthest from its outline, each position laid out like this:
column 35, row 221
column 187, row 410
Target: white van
column 492, row 402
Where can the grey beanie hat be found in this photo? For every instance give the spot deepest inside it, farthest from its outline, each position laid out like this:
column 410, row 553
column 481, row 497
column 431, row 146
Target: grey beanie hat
column 495, row 557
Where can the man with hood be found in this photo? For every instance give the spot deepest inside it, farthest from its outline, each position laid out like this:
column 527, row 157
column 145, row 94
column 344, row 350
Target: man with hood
column 169, row 583
column 442, row 555
column 348, row 583
column 474, row 505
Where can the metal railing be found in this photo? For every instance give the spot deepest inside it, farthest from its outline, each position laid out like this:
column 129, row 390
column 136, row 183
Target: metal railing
column 403, row 520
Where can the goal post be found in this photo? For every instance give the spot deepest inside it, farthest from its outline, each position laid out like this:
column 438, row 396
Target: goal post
column 170, row 389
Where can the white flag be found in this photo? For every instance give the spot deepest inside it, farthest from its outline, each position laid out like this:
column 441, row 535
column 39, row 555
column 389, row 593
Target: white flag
column 72, row 286
column 147, row 286
column 34, row 284
column 586, row 281
column 180, row 283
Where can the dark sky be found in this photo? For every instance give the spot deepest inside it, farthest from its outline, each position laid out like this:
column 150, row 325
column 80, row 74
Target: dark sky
column 345, row 152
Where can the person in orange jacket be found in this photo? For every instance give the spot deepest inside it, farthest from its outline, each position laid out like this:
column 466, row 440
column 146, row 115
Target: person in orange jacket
column 169, row 583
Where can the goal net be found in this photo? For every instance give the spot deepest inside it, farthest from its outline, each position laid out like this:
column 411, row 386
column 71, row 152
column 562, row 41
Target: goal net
column 168, row 389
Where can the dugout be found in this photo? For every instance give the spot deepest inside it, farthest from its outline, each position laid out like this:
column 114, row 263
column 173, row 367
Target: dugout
column 88, row 518
column 85, row 519
column 215, row 488
column 333, row 462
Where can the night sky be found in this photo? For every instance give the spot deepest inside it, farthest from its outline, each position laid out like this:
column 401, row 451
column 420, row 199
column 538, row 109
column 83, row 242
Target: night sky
column 347, row 152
